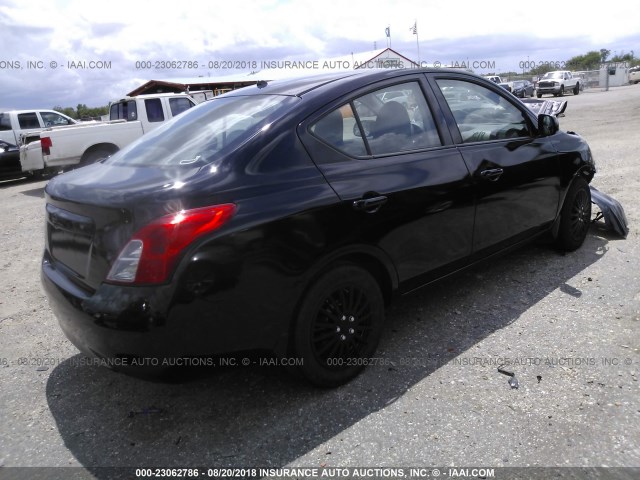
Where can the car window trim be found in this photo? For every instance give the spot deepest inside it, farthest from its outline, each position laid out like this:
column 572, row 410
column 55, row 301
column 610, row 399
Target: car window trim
column 349, row 98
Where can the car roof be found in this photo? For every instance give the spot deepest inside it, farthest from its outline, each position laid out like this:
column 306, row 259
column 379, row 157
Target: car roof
column 153, row 95
column 303, row 85
column 30, row 110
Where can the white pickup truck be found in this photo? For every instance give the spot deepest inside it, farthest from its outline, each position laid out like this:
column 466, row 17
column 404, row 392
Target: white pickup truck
column 129, row 119
column 494, row 78
column 15, row 125
column 558, row 83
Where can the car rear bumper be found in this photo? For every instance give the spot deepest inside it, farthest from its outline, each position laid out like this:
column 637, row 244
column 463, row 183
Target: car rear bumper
column 146, row 326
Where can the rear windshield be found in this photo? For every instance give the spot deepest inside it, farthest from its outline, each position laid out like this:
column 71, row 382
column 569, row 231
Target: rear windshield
column 203, row 133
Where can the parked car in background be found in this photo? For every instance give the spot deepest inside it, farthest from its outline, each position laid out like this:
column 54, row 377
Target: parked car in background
column 506, row 85
column 494, row 78
column 634, row 75
column 400, row 97
column 581, row 78
column 16, row 124
column 558, row 83
column 86, row 143
column 9, row 161
column 283, row 217
column 522, row 88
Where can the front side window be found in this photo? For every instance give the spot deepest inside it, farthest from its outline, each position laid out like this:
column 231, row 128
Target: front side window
column 390, row 120
column 52, row 119
column 154, row 110
column 179, row 105
column 482, row 114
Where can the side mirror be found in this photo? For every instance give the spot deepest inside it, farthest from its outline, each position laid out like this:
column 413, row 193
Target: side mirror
column 547, row 125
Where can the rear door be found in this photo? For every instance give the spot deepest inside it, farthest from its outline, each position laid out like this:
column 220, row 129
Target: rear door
column 517, row 175
column 404, row 187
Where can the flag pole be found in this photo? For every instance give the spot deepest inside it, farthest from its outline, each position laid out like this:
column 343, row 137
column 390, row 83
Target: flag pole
column 415, row 30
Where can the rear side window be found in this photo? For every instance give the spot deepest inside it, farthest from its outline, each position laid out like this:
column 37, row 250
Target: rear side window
column 28, row 120
column 154, row 110
column 179, row 105
column 391, row 120
column 124, row 111
column 339, row 129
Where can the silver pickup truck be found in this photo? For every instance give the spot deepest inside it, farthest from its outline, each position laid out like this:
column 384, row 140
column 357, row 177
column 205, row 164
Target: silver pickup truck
column 558, row 83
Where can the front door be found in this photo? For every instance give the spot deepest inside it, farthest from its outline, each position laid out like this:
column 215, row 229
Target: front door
column 517, row 175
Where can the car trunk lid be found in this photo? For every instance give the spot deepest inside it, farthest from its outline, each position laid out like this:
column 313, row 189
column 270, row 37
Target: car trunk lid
column 94, row 211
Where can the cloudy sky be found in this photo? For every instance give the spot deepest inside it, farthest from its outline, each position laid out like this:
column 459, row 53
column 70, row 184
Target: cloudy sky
column 43, row 43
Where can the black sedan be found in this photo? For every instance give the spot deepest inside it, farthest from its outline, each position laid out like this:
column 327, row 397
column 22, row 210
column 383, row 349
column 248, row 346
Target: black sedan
column 10, row 166
column 522, row 88
column 283, row 217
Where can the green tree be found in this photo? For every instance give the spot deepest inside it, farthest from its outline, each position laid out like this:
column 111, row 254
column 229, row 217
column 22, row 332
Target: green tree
column 541, row 70
column 589, row 61
column 68, row 111
column 604, row 54
column 82, row 111
column 623, row 57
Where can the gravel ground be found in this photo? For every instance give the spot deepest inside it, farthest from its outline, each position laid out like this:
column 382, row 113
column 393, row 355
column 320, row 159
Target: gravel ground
column 567, row 326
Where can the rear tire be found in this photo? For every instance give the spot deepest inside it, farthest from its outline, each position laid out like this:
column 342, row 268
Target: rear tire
column 576, row 89
column 339, row 325
column 575, row 217
column 95, row 155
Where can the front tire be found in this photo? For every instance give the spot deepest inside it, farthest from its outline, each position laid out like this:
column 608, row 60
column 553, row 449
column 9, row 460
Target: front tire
column 575, row 217
column 338, row 325
column 561, row 93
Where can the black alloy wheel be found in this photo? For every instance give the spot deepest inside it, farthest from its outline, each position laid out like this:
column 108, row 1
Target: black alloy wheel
column 339, row 325
column 575, row 216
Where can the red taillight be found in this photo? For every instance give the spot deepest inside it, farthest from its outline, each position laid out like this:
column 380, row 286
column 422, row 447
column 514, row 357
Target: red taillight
column 45, row 144
column 152, row 253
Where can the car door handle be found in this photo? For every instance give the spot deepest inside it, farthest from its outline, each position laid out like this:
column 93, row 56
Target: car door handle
column 492, row 174
column 370, row 205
